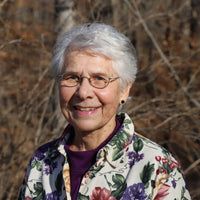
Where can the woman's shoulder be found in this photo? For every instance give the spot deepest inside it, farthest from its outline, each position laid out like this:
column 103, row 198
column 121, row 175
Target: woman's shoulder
column 154, row 153
column 45, row 150
column 45, row 147
column 158, row 170
column 141, row 143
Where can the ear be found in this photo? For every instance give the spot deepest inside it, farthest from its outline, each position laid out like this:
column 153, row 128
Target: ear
column 125, row 92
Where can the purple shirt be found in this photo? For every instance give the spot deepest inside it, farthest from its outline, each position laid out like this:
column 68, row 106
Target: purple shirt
column 81, row 161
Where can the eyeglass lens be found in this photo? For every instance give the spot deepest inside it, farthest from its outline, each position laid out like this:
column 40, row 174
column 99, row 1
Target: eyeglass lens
column 96, row 80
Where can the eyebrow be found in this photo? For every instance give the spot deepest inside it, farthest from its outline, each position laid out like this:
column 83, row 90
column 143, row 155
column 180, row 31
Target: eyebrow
column 93, row 73
column 70, row 72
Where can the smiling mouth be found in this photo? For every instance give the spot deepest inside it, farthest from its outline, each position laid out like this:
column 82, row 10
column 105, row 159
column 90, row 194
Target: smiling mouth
column 85, row 108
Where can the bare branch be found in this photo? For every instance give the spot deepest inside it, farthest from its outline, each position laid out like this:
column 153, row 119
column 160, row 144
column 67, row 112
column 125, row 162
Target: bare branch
column 193, row 78
column 170, row 67
column 193, row 165
column 168, row 119
column 11, row 42
column 2, row 4
column 134, row 109
column 31, row 97
column 37, row 135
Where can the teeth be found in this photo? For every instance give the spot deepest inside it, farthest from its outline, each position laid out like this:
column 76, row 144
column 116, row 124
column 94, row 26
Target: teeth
column 85, row 109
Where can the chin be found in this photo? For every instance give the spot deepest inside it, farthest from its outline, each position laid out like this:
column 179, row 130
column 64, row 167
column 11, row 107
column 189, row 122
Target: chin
column 85, row 126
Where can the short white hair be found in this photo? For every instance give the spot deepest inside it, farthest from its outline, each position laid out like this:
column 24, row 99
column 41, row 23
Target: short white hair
column 101, row 39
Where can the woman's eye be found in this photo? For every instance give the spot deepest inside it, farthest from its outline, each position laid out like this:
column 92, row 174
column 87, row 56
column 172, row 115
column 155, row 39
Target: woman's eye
column 71, row 77
column 99, row 78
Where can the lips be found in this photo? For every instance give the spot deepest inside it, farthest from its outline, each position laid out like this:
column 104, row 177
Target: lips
column 85, row 109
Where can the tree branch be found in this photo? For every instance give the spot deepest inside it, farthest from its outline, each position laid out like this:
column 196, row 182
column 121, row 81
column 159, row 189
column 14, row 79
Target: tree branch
column 10, row 42
column 2, row 4
column 193, row 165
column 37, row 136
column 136, row 11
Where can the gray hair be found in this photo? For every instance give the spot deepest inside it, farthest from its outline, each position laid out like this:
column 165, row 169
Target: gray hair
column 101, row 39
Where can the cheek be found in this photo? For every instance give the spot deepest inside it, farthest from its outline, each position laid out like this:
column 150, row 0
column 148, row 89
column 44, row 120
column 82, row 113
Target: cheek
column 64, row 96
column 110, row 97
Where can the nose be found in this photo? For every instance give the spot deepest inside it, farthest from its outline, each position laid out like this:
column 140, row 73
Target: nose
column 84, row 90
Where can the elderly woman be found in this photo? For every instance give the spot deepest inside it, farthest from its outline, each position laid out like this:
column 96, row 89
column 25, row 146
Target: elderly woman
column 99, row 156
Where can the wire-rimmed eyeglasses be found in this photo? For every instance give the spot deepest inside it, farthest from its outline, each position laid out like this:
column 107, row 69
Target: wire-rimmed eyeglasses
column 98, row 80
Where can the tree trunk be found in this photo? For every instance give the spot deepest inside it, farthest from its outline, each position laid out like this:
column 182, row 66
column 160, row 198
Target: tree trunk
column 64, row 15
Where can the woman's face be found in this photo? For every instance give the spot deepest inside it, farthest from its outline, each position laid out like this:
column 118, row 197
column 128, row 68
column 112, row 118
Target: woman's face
column 85, row 107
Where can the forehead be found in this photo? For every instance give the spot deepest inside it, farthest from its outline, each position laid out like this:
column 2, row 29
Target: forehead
column 88, row 61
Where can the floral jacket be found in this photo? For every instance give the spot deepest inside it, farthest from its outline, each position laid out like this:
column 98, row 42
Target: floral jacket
column 129, row 167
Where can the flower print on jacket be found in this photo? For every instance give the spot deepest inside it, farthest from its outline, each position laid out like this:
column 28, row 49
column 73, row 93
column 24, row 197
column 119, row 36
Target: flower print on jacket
column 28, row 198
column 52, row 196
column 134, row 157
column 174, row 164
column 49, row 166
column 162, row 192
column 173, row 183
column 167, row 163
column 153, row 173
column 39, row 155
column 101, row 194
column 135, row 191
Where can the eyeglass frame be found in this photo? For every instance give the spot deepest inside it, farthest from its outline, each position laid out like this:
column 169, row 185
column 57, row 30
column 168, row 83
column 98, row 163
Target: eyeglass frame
column 59, row 78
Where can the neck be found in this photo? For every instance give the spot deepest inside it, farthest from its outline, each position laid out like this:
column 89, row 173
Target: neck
column 85, row 141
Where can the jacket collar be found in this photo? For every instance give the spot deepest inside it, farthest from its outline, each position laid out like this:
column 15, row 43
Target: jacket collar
column 115, row 149
column 112, row 151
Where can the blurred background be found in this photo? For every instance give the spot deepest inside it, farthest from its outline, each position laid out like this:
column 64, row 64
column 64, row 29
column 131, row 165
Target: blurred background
column 165, row 100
